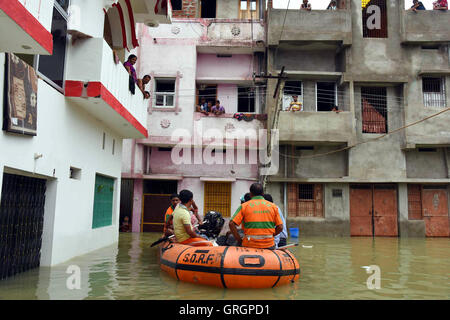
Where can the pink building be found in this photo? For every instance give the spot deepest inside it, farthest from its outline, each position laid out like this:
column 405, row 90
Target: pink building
column 212, row 50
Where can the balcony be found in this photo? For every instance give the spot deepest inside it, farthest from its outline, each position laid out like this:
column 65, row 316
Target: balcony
column 26, row 26
column 426, row 26
column 323, row 127
column 306, row 26
column 100, row 86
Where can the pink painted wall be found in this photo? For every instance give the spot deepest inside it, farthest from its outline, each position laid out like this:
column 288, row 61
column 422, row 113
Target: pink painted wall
column 227, row 94
column 239, row 66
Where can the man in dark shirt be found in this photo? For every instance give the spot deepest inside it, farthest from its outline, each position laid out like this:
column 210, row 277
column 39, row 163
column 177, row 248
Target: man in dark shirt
column 417, row 5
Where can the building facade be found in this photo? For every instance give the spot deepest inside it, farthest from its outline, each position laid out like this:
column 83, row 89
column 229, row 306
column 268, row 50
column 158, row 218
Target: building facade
column 211, row 50
column 67, row 108
column 380, row 166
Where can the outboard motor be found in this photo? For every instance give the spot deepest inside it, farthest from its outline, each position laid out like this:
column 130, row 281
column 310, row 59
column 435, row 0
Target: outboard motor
column 212, row 224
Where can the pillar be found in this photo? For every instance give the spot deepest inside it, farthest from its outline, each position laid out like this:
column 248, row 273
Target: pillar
column 137, row 205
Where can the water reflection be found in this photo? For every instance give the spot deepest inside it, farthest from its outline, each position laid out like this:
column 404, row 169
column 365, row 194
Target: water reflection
column 331, row 268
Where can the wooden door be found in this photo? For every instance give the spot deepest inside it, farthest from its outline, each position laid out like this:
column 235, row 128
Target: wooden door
column 385, row 211
column 248, row 9
column 435, row 211
column 153, row 212
column 361, row 210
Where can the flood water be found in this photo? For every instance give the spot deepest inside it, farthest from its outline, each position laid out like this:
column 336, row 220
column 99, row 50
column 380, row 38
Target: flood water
column 331, row 268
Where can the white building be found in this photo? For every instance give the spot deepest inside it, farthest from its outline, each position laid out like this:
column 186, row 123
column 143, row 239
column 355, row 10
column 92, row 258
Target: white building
column 60, row 181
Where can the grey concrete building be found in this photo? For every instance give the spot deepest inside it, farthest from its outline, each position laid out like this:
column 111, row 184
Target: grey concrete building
column 381, row 165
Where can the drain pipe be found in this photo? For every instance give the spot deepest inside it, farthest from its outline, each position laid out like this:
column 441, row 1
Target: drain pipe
column 285, row 183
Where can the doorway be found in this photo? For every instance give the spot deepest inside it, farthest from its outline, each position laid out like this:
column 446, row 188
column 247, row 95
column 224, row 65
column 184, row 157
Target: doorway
column 373, row 210
column 156, row 200
column 21, row 224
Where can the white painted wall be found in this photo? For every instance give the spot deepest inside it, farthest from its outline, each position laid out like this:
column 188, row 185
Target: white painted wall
column 41, row 10
column 67, row 136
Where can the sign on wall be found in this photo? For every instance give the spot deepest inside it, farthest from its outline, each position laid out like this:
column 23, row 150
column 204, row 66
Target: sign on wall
column 20, row 105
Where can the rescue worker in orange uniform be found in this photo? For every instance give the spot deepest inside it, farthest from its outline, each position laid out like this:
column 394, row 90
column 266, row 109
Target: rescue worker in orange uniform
column 168, row 226
column 260, row 221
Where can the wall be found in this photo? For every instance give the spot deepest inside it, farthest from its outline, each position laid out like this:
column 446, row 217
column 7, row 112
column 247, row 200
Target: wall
column 42, row 11
column 306, row 60
column 68, row 229
column 430, row 165
column 238, row 67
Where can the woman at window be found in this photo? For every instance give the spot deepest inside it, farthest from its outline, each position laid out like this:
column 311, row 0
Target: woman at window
column 440, row 5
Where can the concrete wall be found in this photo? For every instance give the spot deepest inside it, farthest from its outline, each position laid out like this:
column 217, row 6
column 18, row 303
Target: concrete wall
column 306, row 60
column 228, row 9
column 238, row 67
column 430, row 165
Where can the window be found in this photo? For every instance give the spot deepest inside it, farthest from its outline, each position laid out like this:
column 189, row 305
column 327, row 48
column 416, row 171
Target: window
column 218, row 197
column 208, row 92
column 248, row 9
column 305, row 200
column 292, row 88
column 374, row 110
column 434, row 92
column 246, row 99
column 374, row 19
column 177, row 4
column 326, row 96
column 208, row 9
column 52, row 67
column 75, row 173
column 103, row 202
column 165, row 93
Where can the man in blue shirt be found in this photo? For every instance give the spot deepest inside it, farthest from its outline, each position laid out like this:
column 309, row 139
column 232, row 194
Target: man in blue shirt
column 281, row 238
column 417, row 5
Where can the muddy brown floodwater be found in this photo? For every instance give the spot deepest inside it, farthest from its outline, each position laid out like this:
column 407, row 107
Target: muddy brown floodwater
column 331, row 268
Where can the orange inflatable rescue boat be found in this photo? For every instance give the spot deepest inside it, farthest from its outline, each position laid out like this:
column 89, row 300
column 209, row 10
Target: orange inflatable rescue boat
column 229, row 266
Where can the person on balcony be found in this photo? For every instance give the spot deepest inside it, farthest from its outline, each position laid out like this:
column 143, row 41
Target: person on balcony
column 332, row 5
column 218, row 109
column 440, row 5
column 417, row 5
column 203, row 107
column 146, row 95
column 129, row 65
column 143, row 82
column 295, row 105
column 305, row 5
column 336, row 109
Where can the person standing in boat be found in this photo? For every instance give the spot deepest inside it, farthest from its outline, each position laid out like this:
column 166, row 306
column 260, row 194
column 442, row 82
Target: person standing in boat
column 281, row 238
column 260, row 221
column 182, row 226
column 168, row 226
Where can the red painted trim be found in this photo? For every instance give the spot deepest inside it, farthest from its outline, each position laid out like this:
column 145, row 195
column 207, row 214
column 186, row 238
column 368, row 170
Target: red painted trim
column 133, row 28
column 25, row 20
column 122, row 23
column 98, row 90
column 73, row 88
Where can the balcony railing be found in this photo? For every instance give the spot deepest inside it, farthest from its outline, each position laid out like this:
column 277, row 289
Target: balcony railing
column 315, row 25
column 426, row 26
column 324, row 127
column 26, row 26
column 92, row 64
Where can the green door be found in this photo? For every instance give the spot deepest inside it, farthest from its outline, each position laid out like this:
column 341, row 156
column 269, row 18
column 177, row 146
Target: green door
column 103, row 202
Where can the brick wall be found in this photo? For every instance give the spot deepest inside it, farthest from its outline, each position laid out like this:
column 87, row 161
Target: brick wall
column 189, row 10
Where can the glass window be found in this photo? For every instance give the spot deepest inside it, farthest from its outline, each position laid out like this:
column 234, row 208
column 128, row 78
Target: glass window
column 243, row 4
column 52, row 67
column 165, row 93
column 246, row 99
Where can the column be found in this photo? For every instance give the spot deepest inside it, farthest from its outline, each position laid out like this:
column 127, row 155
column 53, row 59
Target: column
column 137, row 205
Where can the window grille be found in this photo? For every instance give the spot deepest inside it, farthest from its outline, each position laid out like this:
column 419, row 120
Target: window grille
column 434, row 92
column 218, row 197
column 305, row 200
column 374, row 109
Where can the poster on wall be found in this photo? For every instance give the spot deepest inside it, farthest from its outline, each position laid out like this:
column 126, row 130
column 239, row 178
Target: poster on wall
column 20, row 105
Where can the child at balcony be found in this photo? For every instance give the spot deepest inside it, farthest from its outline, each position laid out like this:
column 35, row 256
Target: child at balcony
column 332, row 5
column 440, row 5
column 305, row 5
column 218, row 109
column 295, row 105
column 203, row 107
column 146, row 95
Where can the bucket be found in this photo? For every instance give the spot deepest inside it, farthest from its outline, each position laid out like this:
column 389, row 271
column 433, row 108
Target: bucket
column 293, row 232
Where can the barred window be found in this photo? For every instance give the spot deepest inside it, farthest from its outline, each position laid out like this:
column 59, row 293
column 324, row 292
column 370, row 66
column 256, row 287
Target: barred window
column 434, row 92
column 305, row 200
column 374, row 110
